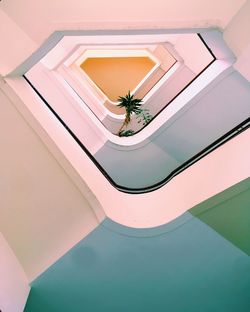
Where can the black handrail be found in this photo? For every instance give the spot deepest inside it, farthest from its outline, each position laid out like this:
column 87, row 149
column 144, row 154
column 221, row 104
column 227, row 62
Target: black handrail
column 220, row 141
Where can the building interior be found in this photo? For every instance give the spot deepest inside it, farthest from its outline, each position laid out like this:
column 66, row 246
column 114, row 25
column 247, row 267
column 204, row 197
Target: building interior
column 154, row 220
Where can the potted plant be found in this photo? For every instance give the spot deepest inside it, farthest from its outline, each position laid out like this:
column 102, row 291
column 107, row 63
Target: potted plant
column 132, row 105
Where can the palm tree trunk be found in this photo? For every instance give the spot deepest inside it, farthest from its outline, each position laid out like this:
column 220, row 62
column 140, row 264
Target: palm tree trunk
column 125, row 122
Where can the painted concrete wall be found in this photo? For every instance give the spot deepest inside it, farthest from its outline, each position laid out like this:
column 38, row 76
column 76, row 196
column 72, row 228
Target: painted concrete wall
column 237, row 37
column 43, row 213
column 14, row 288
column 61, row 101
column 236, row 33
column 16, row 45
column 48, row 16
column 194, row 52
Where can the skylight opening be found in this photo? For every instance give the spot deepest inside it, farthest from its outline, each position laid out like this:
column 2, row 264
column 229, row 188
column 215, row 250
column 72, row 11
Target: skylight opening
column 115, row 72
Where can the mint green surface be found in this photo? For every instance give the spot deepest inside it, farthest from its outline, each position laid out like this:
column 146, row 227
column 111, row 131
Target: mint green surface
column 229, row 214
column 184, row 266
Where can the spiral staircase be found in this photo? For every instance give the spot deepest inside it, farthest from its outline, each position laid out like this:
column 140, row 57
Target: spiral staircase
column 136, row 222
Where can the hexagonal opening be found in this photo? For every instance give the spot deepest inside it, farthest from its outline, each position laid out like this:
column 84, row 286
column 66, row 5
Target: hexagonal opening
column 116, row 72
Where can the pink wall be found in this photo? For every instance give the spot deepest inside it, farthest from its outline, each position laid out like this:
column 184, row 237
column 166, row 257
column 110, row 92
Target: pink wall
column 237, row 37
column 48, row 15
column 25, row 32
column 14, row 288
column 16, row 45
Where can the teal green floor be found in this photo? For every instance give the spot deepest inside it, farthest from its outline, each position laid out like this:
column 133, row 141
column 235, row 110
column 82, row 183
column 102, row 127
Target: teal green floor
column 199, row 262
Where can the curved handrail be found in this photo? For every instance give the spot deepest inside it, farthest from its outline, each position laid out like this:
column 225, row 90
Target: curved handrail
column 220, row 141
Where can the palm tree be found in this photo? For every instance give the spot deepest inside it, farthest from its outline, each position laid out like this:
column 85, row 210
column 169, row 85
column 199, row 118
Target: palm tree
column 131, row 106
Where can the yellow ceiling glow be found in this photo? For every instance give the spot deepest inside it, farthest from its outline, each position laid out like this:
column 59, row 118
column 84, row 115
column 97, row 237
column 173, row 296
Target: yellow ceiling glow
column 115, row 76
column 115, row 72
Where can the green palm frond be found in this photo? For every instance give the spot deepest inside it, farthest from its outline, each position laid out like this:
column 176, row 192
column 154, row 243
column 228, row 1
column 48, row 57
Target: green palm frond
column 132, row 105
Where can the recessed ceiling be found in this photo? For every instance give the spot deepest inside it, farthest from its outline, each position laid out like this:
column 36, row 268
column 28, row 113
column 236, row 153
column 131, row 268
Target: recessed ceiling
column 115, row 76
